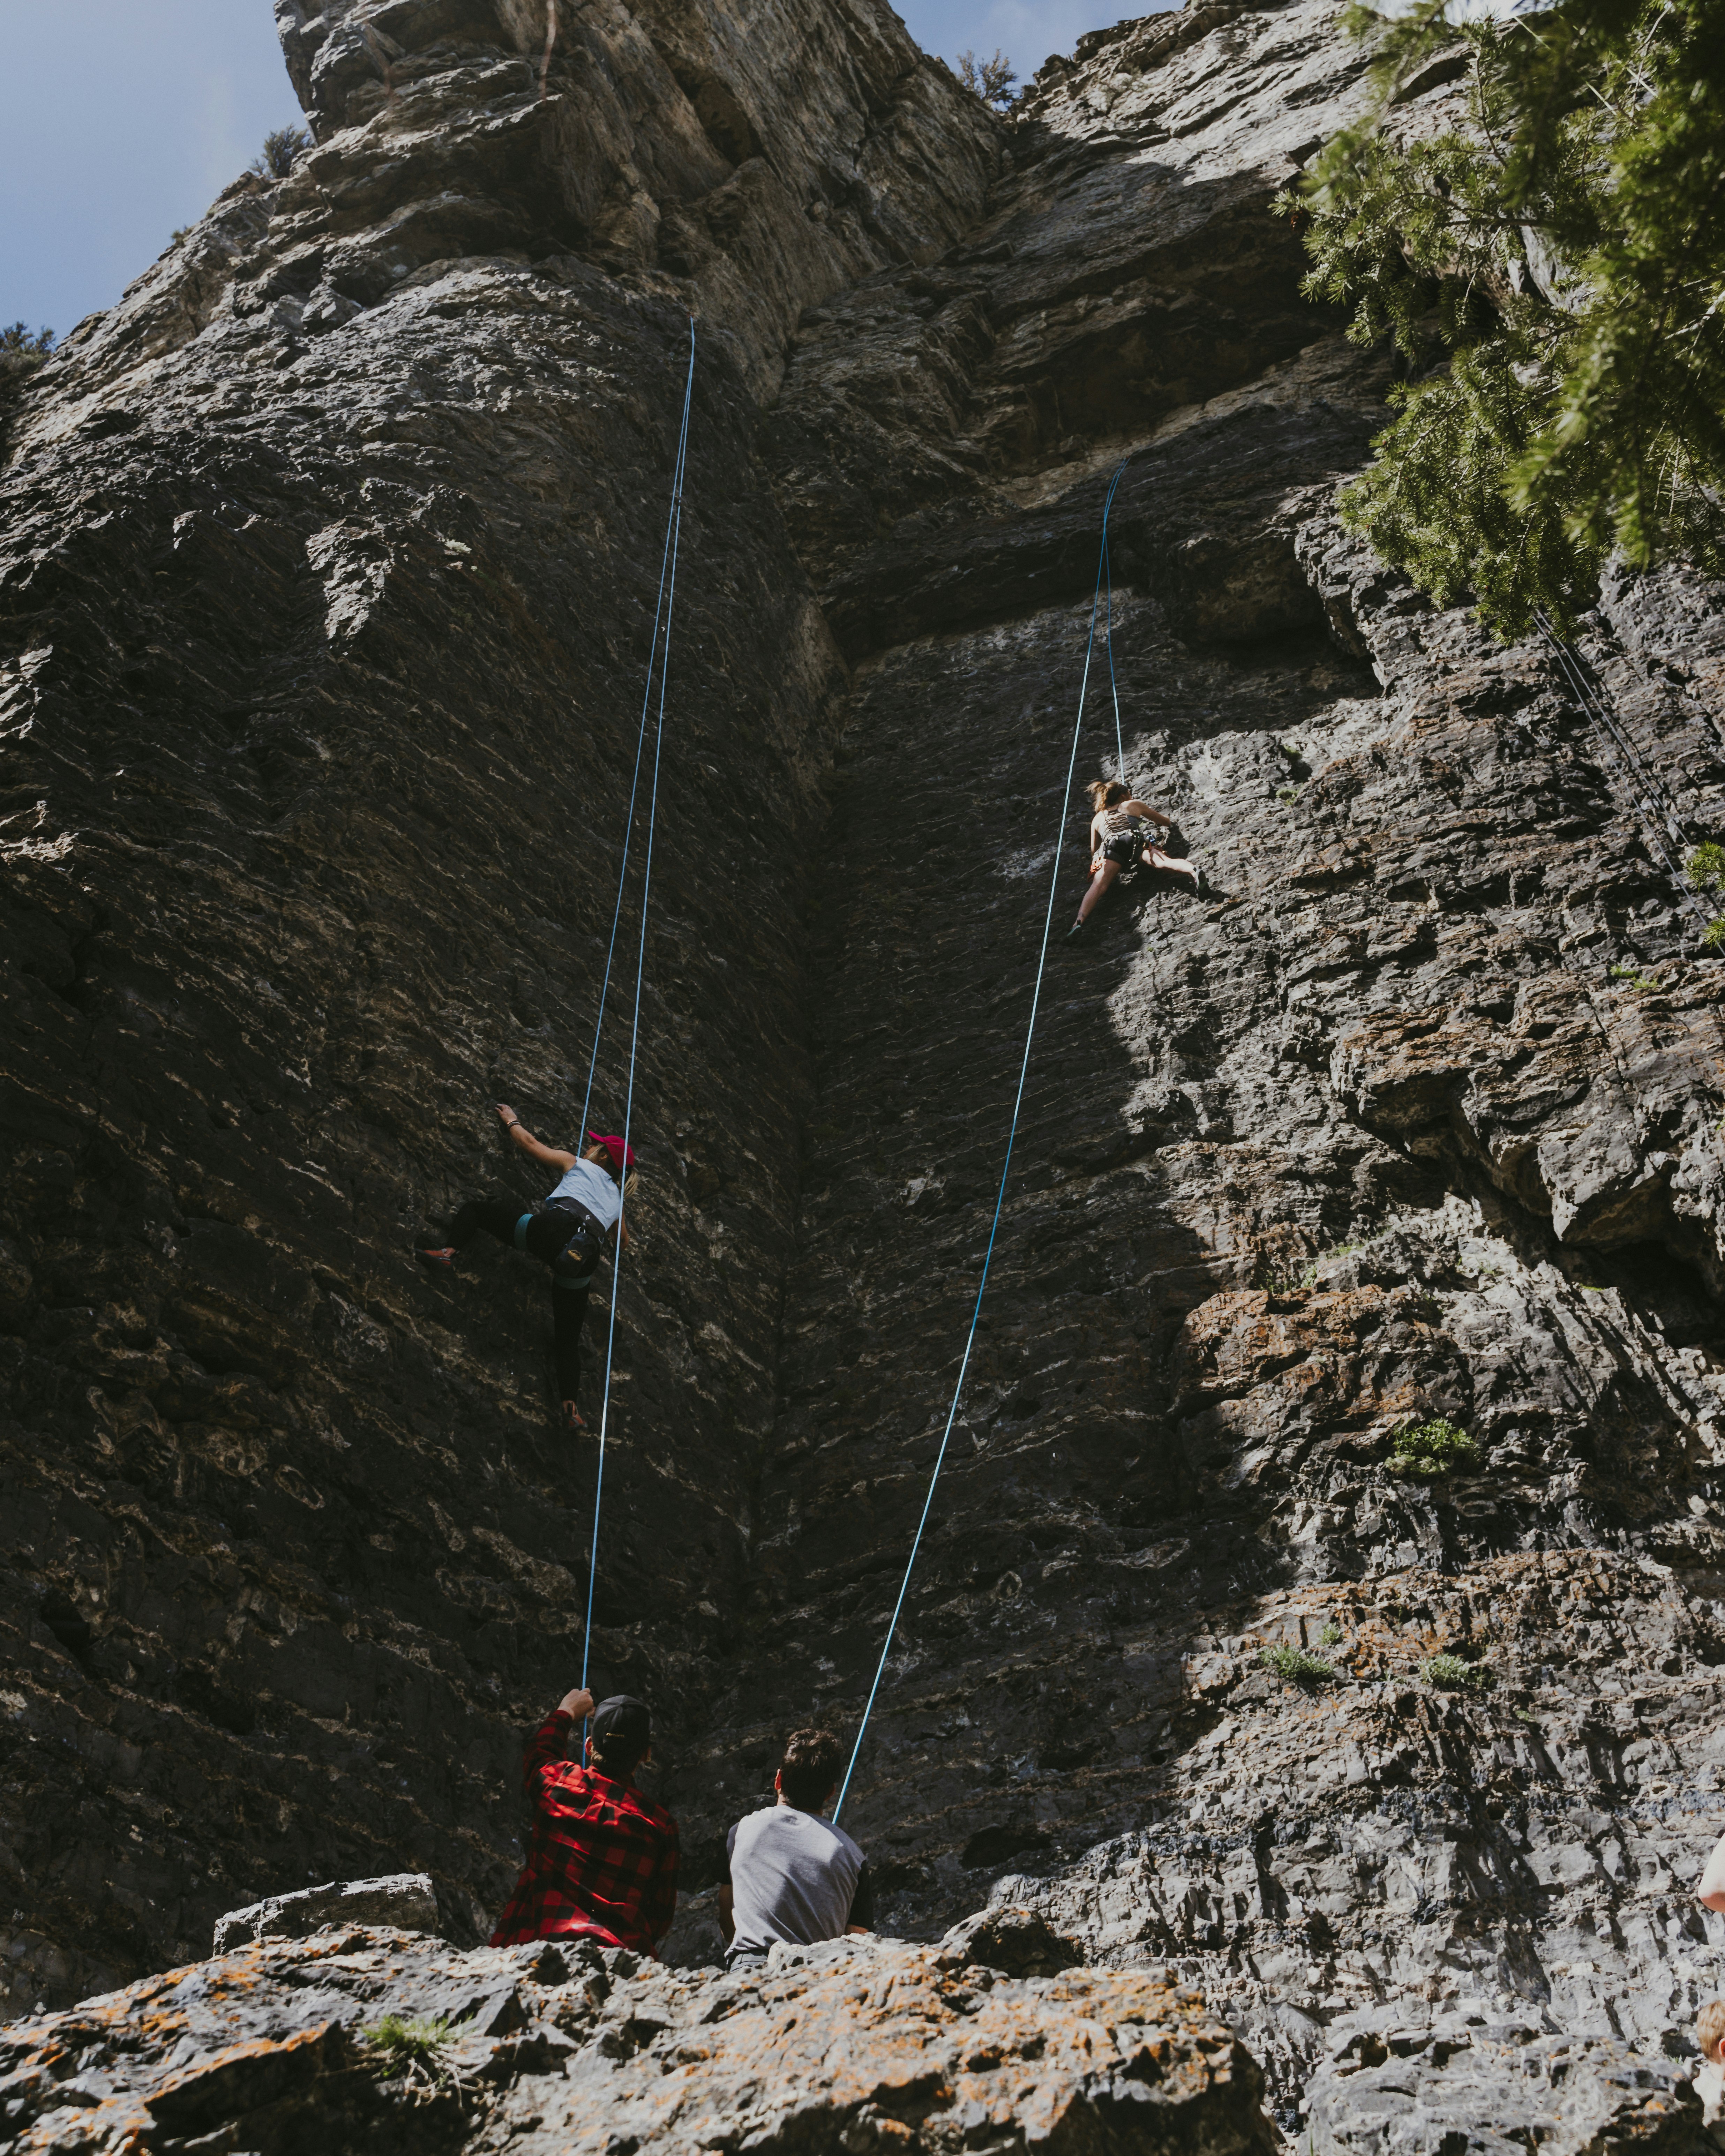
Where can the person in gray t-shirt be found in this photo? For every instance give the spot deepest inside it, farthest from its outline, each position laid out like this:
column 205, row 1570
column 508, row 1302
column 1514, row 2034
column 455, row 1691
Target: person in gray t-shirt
column 794, row 1875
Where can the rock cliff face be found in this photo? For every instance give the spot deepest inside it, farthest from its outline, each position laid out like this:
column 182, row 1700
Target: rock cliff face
column 330, row 563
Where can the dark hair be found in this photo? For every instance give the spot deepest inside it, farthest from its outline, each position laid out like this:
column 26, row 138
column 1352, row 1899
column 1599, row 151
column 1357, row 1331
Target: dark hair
column 1104, row 793
column 810, row 1767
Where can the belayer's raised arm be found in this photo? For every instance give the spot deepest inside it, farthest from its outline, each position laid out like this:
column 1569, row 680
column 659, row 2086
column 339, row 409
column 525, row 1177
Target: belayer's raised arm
column 602, row 1859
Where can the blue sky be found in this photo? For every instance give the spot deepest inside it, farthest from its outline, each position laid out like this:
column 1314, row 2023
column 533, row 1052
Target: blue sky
column 119, row 120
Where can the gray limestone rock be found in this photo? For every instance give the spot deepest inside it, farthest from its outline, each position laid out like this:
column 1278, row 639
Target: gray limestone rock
column 1391, row 2085
column 407, row 1902
column 856, row 2044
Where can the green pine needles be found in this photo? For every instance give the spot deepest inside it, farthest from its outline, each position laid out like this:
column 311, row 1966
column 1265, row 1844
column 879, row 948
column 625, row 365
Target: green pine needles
column 1566, row 250
column 1431, row 1449
column 1705, row 870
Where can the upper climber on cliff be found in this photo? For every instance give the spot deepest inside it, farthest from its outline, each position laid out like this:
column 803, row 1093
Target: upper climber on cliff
column 577, row 1223
column 1120, row 838
column 602, row 1863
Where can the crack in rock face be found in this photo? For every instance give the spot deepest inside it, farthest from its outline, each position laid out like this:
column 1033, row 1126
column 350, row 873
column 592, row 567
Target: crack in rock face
column 328, row 569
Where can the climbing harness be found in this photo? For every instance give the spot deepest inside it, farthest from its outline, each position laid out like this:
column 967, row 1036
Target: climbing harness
column 1103, row 575
column 658, row 655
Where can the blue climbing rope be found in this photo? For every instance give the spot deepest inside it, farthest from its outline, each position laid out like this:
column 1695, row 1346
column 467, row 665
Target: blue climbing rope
column 668, row 582
column 1103, row 575
column 1107, row 573
column 592, row 1059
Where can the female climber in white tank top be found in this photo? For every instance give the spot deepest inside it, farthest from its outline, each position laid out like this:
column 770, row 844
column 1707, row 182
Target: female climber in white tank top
column 1119, row 837
column 577, row 1223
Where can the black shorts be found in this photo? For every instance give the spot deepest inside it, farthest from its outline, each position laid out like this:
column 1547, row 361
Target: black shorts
column 1126, row 849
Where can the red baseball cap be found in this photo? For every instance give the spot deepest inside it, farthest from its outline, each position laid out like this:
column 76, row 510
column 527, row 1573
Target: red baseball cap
column 615, row 1146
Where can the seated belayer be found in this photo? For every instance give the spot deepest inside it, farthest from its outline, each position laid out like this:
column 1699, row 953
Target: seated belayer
column 575, row 1227
column 794, row 1875
column 1120, row 838
column 602, row 1861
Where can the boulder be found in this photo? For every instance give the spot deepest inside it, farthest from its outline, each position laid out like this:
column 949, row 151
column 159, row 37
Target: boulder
column 1392, row 2087
column 407, row 1900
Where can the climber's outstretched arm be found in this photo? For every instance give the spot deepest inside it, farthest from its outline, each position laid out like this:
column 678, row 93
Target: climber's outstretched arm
column 528, row 1143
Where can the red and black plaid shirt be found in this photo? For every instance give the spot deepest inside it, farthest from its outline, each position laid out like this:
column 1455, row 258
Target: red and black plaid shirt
column 603, row 1861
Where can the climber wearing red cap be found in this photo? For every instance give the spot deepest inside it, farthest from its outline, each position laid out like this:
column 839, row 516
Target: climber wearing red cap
column 578, row 1221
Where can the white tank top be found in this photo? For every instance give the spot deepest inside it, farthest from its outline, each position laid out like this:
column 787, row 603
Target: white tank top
column 590, row 1185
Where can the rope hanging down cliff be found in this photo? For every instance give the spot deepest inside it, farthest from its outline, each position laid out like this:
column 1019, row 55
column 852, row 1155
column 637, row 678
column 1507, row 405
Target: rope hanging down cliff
column 667, row 570
column 1651, row 796
column 1103, row 576
column 668, row 590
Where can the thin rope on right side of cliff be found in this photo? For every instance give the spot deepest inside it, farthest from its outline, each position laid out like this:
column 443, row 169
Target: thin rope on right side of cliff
column 1095, row 605
column 669, row 582
column 1654, row 801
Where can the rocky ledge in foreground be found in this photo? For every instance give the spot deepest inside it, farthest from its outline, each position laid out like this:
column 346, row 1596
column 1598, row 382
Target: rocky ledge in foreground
column 374, row 2037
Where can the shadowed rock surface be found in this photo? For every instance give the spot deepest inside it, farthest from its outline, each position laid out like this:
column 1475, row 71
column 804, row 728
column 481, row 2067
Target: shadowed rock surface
column 331, row 554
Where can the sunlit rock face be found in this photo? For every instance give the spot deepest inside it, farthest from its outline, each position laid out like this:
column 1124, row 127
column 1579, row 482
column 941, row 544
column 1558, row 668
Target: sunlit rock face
column 331, row 563
column 285, row 2045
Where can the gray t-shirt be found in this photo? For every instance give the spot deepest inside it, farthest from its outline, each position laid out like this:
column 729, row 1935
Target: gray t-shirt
column 794, row 1877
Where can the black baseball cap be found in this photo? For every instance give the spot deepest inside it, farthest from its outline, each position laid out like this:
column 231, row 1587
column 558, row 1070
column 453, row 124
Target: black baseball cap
column 620, row 1715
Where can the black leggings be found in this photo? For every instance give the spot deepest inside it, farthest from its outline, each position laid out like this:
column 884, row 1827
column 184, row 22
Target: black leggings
column 547, row 1235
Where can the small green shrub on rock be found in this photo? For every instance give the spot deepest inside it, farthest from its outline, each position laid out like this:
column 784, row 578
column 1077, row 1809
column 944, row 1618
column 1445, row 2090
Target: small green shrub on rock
column 991, row 79
column 1712, row 936
column 23, row 350
column 1450, row 1673
column 1431, row 1449
column 281, row 147
column 1296, row 1666
column 409, row 2048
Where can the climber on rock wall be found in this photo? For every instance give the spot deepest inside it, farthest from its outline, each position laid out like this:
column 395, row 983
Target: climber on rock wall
column 1120, row 838
column 579, row 1220
column 791, row 1874
column 602, row 1863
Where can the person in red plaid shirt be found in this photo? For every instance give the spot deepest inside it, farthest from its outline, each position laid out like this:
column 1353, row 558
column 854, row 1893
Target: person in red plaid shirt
column 602, row 1864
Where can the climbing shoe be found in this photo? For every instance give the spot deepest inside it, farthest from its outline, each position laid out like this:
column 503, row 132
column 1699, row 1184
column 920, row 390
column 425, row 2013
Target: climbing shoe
column 573, row 1417
column 443, row 1260
column 1077, row 928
